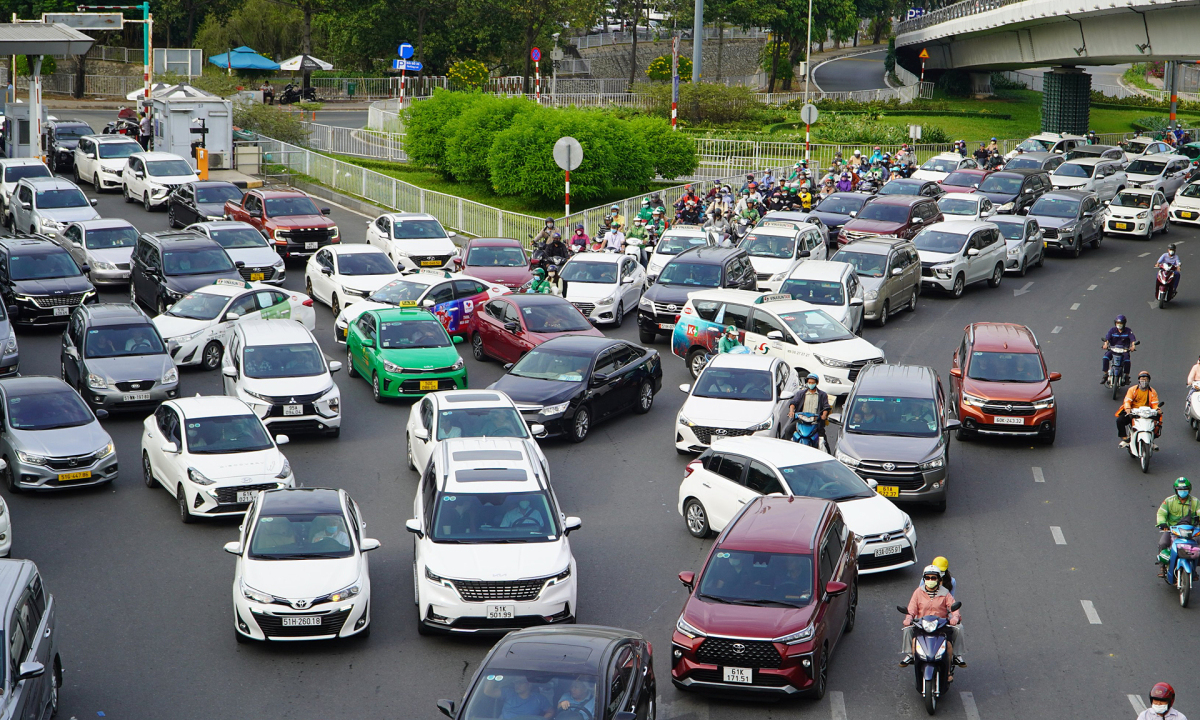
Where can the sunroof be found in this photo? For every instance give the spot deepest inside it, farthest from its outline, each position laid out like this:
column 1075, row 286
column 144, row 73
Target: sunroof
column 482, row 455
column 490, row 475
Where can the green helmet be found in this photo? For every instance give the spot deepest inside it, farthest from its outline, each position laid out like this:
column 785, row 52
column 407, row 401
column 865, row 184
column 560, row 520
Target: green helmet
column 731, row 329
column 539, row 272
column 1182, row 483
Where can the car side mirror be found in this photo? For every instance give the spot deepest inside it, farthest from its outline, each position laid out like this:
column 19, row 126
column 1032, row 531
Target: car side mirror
column 427, row 302
column 94, row 202
column 871, row 483
column 369, row 544
column 956, row 372
column 685, row 388
column 231, row 316
column 918, row 221
column 571, row 524
column 953, row 424
column 447, row 707
column 775, row 335
column 688, row 578
column 233, row 548
column 76, row 243
column 13, row 311
column 513, row 327
column 626, row 281
column 835, row 418
column 33, row 668
column 229, row 371
column 451, row 233
column 326, row 271
column 834, row 588
column 1027, row 190
column 507, row 366
column 1055, row 377
column 139, row 174
column 102, row 414
column 853, row 213
column 897, row 271
column 325, row 211
column 421, row 434
column 599, row 379
column 151, row 270
column 1090, row 213
column 857, row 301
column 805, row 253
column 282, row 439
column 975, row 185
column 170, row 448
column 457, row 339
column 972, row 252
column 537, row 430
column 1023, row 211
column 335, row 366
column 413, row 525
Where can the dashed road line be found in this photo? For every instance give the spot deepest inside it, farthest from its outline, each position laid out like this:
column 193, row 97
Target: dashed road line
column 880, row 344
column 1090, row 610
column 1115, row 269
column 1075, row 306
column 968, row 701
column 1057, row 329
column 1057, row 532
column 1143, row 255
column 1038, row 476
column 837, row 703
column 1139, row 705
column 1092, row 287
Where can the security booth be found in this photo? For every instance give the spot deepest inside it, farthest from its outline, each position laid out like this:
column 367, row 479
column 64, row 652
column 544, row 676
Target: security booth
column 16, row 128
column 37, row 40
column 188, row 118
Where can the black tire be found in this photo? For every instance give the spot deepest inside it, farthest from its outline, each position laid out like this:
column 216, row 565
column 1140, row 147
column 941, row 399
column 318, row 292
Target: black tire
column 1183, row 582
column 10, row 479
column 1116, row 388
column 1048, row 438
column 124, row 192
column 1098, row 239
column 646, row 336
column 146, row 202
column 696, row 519
column 852, row 609
column 335, row 307
column 133, row 298
column 75, row 172
column 147, row 473
column 883, row 314
column 962, row 434
column 308, row 290
column 1042, row 256
column 171, row 223
column 997, row 276
column 1145, row 460
column 619, row 318
column 1077, row 247
column 581, row 425
column 930, row 698
column 477, row 349
column 350, row 364
column 96, row 183
column 695, row 362
column 1197, row 433
column 375, row 388
column 1022, row 270
column 185, row 513
column 161, row 306
column 211, row 359
column 55, row 686
column 645, row 398
column 956, row 290
column 821, row 680
column 1162, row 303
column 53, row 163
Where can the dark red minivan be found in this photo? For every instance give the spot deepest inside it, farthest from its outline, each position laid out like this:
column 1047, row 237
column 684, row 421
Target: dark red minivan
column 777, row 592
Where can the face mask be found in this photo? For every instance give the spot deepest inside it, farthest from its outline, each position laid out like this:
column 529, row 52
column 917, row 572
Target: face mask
column 1120, row 326
column 1182, row 494
column 1160, row 708
column 812, row 386
column 1143, row 384
column 931, row 584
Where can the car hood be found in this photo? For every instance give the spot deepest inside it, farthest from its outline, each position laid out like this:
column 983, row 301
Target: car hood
column 1053, row 222
column 131, row 367
column 67, row 144
column 1180, row 201
column 216, row 210
column 936, row 258
column 1069, row 182
column 367, row 283
column 66, row 215
column 509, row 276
column 171, row 179
column 254, row 257
column 537, row 391
column 188, row 283
column 879, row 227
column 872, row 283
column 889, row 448
column 288, row 222
column 1140, row 178
column 1024, row 392
column 589, row 292
column 714, row 412
column 677, row 294
column 111, row 255
column 497, row 562
column 300, row 579
column 288, row 386
column 170, row 326
column 929, row 175
column 1120, row 211
column 425, row 246
column 872, row 516
column 52, row 286
column 421, row 358
column 113, row 165
column 832, row 220
column 249, row 467
column 79, row 440
column 746, row 621
column 998, row 198
column 770, row 265
column 350, row 313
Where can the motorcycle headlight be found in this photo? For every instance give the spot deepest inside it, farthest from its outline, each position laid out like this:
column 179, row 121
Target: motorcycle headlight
column 30, row 458
column 763, row 425
column 96, row 382
column 458, row 364
column 871, row 294
column 929, row 625
column 685, row 422
column 972, row 400
column 685, row 628
column 558, row 409
column 832, row 362
column 257, row 596
column 285, row 470
column 171, row 376
column 1044, row 403
column 198, row 477
column 933, row 464
column 392, row 367
column 846, row 459
column 797, row 637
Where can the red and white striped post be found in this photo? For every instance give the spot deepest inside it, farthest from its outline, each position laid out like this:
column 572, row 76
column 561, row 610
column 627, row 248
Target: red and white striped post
column 674, row 82
column 568, row 195
column 535, row 55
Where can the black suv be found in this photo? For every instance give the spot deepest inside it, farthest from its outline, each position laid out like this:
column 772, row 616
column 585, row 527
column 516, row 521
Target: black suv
column 40, row 282
column 61, row 138
column 1012, row 190
column 700, row 268
column 170, row 264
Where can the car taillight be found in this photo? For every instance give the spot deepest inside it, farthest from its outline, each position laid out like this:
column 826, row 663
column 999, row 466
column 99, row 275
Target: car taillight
column 692, row 467
column 307, row 302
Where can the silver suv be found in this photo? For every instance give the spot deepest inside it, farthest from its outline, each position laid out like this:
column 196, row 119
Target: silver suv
column 48, row 205
column 890, row 272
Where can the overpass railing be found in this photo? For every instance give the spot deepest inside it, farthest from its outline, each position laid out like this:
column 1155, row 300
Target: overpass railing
column 952, row 12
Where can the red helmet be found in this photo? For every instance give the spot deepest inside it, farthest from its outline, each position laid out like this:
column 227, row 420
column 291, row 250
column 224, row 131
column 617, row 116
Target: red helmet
column 1163, row 691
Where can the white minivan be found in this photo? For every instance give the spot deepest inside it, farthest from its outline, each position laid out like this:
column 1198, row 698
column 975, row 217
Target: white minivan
column 1100, row 175
column 956, row 254
column 776, row 247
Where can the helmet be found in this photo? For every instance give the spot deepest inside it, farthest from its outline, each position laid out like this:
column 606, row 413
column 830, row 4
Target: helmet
column 941, row 563
column 1171, row 246
column 838, row 153
column 813, row 376
column 1143, row 374
column 932, row 570
column 645, row 202
column 1120, row 319
column 1163, row 691
column 555, row 236
column 993, row 139
column 1182, row 483
column 660, row 208
column 751, row 201
column 857, row 152
column 539, row 272
column 657, row 211
column 618, row 207
column 876, row 147
column 579, row 226
column 550, row 221
column 731, row 329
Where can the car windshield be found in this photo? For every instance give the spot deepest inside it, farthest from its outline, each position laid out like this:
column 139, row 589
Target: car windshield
column 1145, row 167
column 1055, row 207
column 14, row 173
column 200, row 261
column 939, row 241
column 958, row 206
column 114, row 150
column 674, row 244
column 65, row 198
column 43, row 266
column 814, row 326
column 412, row 334
column 590, row 272
column 746, row 577
column 481, row 422
column 106, row 238
column 1011, row 230
column 961, row 179
column 841, row 204
column 199, row 306
column 301, row 536
column 283, row 361
column 72, row 132
column 685, row 273
column 491, row 256
column 120, row 340
column 903, row 416
column 894, row 187
column 399, row 291
column 828, row 480
column 769, row 246
column 1023, row 162
column 1134, row 146
column 517, row 693
column 225, row 434
column 1001, row 184
column 514, row 517
column 417, row 229
column 942, row 165
column 368, row 263
column 1137, row 200
column 733, row 384
column 168, row 168
column 1073, row 170
column 47, row 410
column 884, row 212
column 1192, row 190
column 1005, row 367
column 215, row 194
column 237, row 238
column 864, row 264
column 554, row 318
column 544, row 364
column 1035, row 145
column 285, row 206
column 817, row 292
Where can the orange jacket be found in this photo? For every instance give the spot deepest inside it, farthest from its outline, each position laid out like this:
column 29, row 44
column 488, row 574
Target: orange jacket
column 1136, row 397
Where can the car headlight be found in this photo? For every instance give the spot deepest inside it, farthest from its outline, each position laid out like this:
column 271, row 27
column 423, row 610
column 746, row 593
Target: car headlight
column 278, row 234
column 1014, row 250
column 101, row 265
column 944, row 271
column 1044, row 403
column 107, row 450
column 435, row 578
column 333, row 233
column 345, row 593
column 458, row 364
column 355, row 292
column 10, row 345
column 871, row 295
column 278, row 264
column 763, row 425
column 180, row 339
column 285, row 470
column 392, row 367
column 257, row 596
column 558, row 409
column 972, row 400
column 171, row 376
column 908, row 526
column 48, row 223
column 685, row 422
column 779, row 276
column 608, row 300
column 645, row 303
column 684, row 627
column 253, row 394
column 797, row 637
column 933, row 464
column 846, row 459
column 198, row 477
column 158, row 191
column 1143, row 215
column 561, row 577
column 1067, row 229
column 96, row 382
column 30, row 458
column 1006, row 206
column 832, row 362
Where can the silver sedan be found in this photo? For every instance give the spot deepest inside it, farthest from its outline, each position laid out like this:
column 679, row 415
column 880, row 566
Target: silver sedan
column 1023, row 240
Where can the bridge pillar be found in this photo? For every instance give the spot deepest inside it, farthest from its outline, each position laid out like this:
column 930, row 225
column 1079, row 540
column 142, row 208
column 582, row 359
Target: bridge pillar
column 981, row 84
column 1066, row 100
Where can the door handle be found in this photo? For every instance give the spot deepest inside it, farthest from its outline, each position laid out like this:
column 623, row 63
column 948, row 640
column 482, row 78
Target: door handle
column 706, row 485
column 47, row 633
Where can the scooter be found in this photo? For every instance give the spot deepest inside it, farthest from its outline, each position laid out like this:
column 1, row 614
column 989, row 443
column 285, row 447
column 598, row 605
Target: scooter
column 1191, row 409
column 292, row 94
column 806, row 431
column 738, row 231
column 1141, row 439
column 1118, row 370
column 1180, row 560
column 931, row 663
column 1163, row 284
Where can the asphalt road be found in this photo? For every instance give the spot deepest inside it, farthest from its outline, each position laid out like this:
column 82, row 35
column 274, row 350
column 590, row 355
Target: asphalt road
column 860, row 72
column 144, row 601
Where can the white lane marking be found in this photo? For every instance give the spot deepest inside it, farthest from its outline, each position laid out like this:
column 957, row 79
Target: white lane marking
column 1038, row 476
column 837, row 703
column 1056, row 531
column 881, row 344
column 1057, row 329
column 1143, row 255
column 1090, row 610
column 1023, row 290
column 1139, row 705
column 1115, row 269
column 1092, row 287
column 968, row 701
column 1075, row 306
column 1153, row 304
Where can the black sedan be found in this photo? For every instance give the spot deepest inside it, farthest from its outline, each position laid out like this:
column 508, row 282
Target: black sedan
column 839, row 208
column 582, row 672
column 572, row 382
column 201, row 201
column 911, row 186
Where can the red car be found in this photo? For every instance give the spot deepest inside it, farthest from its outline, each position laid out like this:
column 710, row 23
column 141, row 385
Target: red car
column 964, row 181
column 512, row 325
column 777, row 592
column 287, row 218
column 500, row 261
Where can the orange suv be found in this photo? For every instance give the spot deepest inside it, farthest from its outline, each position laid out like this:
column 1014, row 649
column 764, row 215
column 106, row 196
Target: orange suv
column 999, row 383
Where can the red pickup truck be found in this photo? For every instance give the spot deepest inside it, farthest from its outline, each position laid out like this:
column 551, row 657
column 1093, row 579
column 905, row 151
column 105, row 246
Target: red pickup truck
column 289, row 219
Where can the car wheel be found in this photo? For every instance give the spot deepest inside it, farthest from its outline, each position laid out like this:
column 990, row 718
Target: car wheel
column 125, row 193
column 10, row 478
column 171, row 217
column 96, row 183
column 1098, row 239
column 335, row 307
column 912, row 304
column 620, row 316
column 53, row 163
column 883, row 314
column 334, row 433
column 422, row 628
column 477, row 349
column 375, row 388
column 646, row 336
column 75, row 172
column 997, row 276
column 822, row 678
column 696, row 518
column 1077, row 247
column 412, row 464
column 211, row 360
column 852, row 608
column 55, row 683
column 350, row 364
column 962, row 434
column 645, row 398
column 1042, row 256
column 185, row 514
column 581, row 425
column 1166, row 227
column 1022, row 270
column 148, row 472
column 696, row 361
column 146, row 202
column 957, row 290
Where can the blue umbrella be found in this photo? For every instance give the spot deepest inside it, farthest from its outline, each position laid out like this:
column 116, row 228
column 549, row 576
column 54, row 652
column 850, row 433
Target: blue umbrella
column 243, row 58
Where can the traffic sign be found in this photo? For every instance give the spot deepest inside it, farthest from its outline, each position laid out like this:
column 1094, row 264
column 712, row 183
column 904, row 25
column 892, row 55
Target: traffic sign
column 568, row 153
column 535, row 54
column 409, row 65
column 405, row 50
column 809, row 114
column 924, row 54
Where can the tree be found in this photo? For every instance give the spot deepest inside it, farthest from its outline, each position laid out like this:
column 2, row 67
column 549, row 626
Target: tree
column 271, row 28
column 535, row 20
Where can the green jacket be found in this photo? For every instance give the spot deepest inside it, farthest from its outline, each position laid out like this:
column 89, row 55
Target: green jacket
column 727, row 343
column 541, row 286
column 1173, row 509
column 636, row 232
column 646, row 213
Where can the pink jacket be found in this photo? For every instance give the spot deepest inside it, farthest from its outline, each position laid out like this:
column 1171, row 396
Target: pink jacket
column 920, row 605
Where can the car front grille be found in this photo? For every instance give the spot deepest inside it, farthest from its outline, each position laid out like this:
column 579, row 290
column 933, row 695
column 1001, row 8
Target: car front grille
column 72, row 462
column 857, row 366
column 852, row 235
column 49, row 301
column 267, row 272
column 228, row 495
column 740, row 653
column 122, row 266
column 434, row 261
column 483, row 591
column 667, row 308
column 706, row 434
column 272, row 625
column 1049, row 233
column 584, row 307
column 292, row 399
column 906, row 476
column 1008, row 408
column 302, row 235
column 135, row 385
column 423, row 371
column 871, row 562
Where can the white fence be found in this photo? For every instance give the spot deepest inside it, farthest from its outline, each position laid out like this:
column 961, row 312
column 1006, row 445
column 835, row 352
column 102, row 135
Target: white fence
column 93, row 85
column 357, row 142
column 905, row 77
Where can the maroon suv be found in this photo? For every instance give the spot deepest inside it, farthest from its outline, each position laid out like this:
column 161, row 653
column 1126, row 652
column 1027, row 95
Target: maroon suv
column 778, row 590
column 899, row 216
column 500, row 261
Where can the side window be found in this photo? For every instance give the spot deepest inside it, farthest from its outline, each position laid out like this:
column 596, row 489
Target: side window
column 243, row 306
column 736, row 315
column 467, row 288
column 838, row 529
column 495, row 309
column 160, row 417
column 366, row 326
column 826, row 561
column 623, row 356
column 441, row 294
column 428, row 494
column 171, row 431
column 622, row 679
column 384, row 225
column 762, row 323
column 265, row 299
column 762, row 480
column 731, row 468
column 708, row 310
column 37, row 595
column 427, row 413
column 29, row 616
column 324, row 259
column 606, row 364
column 17, row 649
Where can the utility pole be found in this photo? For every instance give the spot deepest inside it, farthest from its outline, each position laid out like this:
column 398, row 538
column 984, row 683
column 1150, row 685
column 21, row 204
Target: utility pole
column 697, row 41
column 807, row 77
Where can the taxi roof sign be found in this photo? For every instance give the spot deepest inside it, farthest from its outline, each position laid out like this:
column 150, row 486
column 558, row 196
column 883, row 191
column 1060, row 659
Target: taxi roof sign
column 234, row 283
column 776, row 297
column 924, row 54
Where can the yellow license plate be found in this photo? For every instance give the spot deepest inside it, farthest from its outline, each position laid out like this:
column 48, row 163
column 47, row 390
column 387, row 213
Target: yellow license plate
column 257, row 276
column 345, row 332
column 408, row 303
column 81, row 475
column 430, row 262
column 1186, row 214
column 1121, row 226
column 888, row 490
column 429, row 384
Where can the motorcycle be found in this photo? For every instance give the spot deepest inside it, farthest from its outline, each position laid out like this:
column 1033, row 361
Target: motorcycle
column 539, row 259
column 1164, row 284
column 125, row 124
column 738, row 231
column 1118, row 370
column 292, row 94
column 806, row 433
column 868, row 185
column 1141, row 439
column 1191, row 409
column 931, row 662
column 1180, row 560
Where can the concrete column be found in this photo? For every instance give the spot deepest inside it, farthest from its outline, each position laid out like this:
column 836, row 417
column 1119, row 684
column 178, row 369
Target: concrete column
column 1066, row 100
column 697, row 41
column 981, row 84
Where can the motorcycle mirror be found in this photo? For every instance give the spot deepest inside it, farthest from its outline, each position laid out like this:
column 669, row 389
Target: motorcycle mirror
column 955, row 606
column 902, row 609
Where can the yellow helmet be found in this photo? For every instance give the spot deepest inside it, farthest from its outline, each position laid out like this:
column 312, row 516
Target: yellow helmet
column 941, row 563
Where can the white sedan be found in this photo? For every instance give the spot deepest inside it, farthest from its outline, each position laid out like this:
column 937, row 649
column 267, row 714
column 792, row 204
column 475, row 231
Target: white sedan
column 939, row 167
column 413, row 240
column 604, row 286
column 966, row 206
column 463, row 413
column 1185, row 208
column 735, row 394
column 341, row 275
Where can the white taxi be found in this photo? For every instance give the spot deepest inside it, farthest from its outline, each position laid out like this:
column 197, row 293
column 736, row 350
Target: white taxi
column 1139, row 212
column 736, row 395
column 196, row 327
column 1185, row 208
column 413, row 240
column 776, row 247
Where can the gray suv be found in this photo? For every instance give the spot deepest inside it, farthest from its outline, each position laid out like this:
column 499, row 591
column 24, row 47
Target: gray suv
column 890, row 272
column 113, row 356
column 34, row 669
column 50, row 439
column 896, row 433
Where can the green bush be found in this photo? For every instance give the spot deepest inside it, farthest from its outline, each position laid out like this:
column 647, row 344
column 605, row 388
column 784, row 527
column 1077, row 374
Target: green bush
column 659, row 69
column 889, row 60
column 24, row 66
column 1151, row 123
column 218, row 82
column 469, row 136
column 869, row 129
column 999, row 82
column 672, row 153
column 709, row 103
column 468, row 73
column 783, row 69
column 955, row 83
column 269, row 120
column 426, row 125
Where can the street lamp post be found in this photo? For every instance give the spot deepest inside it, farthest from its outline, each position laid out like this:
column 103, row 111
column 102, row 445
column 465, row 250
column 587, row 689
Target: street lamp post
column 807, row 76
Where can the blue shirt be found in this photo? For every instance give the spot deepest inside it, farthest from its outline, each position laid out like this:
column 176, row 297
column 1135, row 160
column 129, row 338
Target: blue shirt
column 515, row 706
column 1120, row 338
column 1168, row 259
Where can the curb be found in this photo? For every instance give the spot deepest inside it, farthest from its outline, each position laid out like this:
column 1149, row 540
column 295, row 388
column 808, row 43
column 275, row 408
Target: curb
column 349, row 202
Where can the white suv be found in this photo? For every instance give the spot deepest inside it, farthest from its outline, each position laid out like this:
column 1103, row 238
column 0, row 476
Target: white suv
column 99, row 159
column 1163, row 172
column 1102, row 176
column 13, row 170
column 149, row 177
column 956, row 254
column 737, row 394
column 491, row 550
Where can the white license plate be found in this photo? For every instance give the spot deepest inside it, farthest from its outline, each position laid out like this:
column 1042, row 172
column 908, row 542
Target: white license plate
column 310, row 246
column 302, row 621
column 62, row 311
column 245, row 496
column 739, row 675
column 1001, row 420
column 289, row 410
column 887, row 550
column 501, row 612
column 136, row 397
column 666, row 326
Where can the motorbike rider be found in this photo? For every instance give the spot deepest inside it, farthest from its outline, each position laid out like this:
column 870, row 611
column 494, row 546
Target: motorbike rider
column 579, row 241
column 806, row 199
column 746, row 185
column 932, row 598
column 993, row 146
column 1193, row 376
column 811, row 399
column 1140, row 395
column 1162, row 704
column 1177, row 508
column 1121, row 336
column 636, row 237
column 617, row 217
column 538, row 285
column 616, row 239
column 1171, row 259
column 556, row 247
column 646, row 212
column 827, row 188
column 1091, row 137
column 856, row 158
column 995, row 160
column 751, row 213
column 544, row 235
column 981, row 154
column 690, row 215
column 656, row 224
column 948, row 582
column 876, row 155
column 844, row 184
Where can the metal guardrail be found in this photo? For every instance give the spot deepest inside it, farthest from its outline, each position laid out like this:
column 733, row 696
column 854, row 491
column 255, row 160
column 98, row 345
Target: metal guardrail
column 952, row 12
column 652, row 35
column 94, row 85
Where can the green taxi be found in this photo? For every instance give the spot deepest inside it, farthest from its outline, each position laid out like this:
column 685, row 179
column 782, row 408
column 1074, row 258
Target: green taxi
column 403, row 352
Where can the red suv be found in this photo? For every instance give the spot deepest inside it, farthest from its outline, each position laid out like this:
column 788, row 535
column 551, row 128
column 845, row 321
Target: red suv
column 999, row 383
column 777, row 592
column 899, row 216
